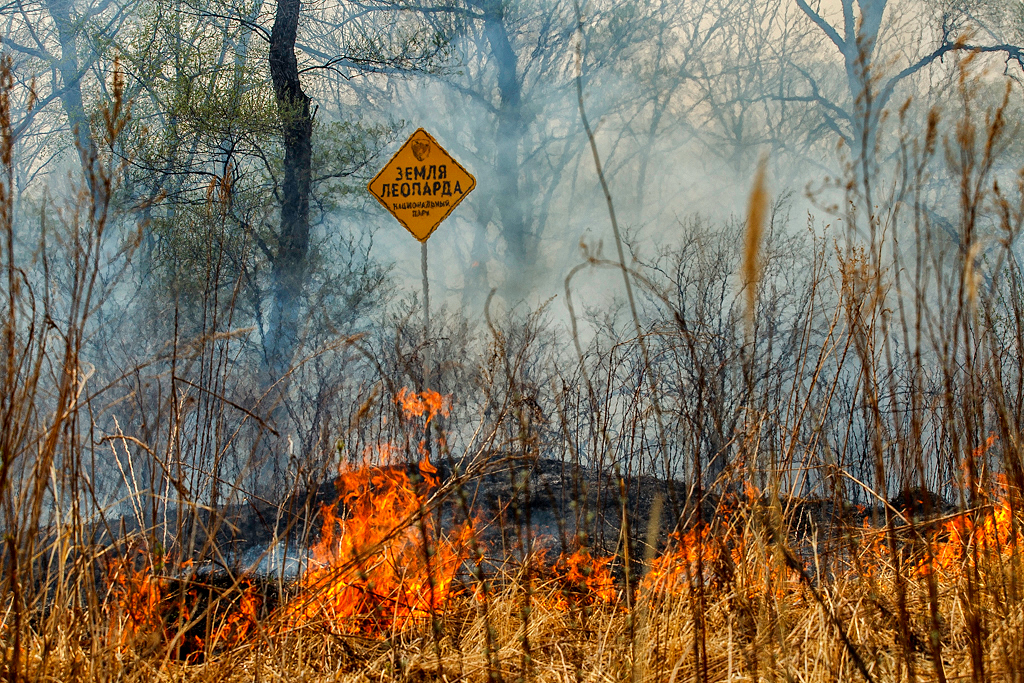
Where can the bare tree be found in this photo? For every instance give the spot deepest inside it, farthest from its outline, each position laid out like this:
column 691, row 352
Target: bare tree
column 870, row 83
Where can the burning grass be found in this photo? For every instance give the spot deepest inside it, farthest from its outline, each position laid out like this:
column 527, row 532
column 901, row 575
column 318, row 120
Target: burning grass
column 389, row 595
column 392, row 589
column 382, row 562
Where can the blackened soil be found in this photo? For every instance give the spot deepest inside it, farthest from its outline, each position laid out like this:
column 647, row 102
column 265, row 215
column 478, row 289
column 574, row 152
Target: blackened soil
column 549, row 505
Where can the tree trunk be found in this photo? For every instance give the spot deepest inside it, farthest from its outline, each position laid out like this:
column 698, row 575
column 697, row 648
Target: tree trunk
column 861, row 41
column 508, row 139
column 289, row 265
column 71, row 84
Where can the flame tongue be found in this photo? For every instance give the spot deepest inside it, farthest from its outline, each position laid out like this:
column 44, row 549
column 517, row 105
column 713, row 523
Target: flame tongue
column 380, row 563
column 192, row 614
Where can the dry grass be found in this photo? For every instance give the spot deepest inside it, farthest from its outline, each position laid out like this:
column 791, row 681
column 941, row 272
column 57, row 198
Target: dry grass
column 767, row 616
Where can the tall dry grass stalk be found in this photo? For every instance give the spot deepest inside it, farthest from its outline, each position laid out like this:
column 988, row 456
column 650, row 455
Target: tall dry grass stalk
column 757, row 215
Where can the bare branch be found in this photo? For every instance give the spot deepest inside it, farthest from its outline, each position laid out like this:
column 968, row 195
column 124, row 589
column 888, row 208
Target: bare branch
column 826, row 27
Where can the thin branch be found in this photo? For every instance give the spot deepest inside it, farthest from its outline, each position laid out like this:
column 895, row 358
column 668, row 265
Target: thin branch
column 30, row 51
column 229, row 402
column 1013, row 53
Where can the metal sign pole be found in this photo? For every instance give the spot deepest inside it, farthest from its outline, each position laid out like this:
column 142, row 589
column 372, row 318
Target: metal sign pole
column 428, row 441
column 426, row 315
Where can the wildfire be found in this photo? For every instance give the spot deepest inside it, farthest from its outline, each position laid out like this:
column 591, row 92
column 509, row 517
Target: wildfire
column 381, row 561
column 585, row 580
column 987, row 532
column 134, row 599
column 240, row 620
column 192, row 616
column 730, row 547
column 677, row 567
column 428, row 402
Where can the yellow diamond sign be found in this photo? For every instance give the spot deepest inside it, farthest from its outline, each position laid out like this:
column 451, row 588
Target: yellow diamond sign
column 421, row 184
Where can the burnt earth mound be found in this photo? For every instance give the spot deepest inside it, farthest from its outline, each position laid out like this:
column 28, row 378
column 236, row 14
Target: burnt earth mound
column 536, row 504
column 919, row 503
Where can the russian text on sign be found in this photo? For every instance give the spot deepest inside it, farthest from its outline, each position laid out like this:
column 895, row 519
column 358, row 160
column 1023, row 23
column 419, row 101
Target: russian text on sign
column 421, row 168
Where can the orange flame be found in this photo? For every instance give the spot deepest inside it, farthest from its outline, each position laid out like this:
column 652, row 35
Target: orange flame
column 142, row 605
column 585, row 579
column 381, row 563
column 134, row 600
column 986, row 533
column 381, row 560
column 241, row 618
column 427, row 402
column 676, row 567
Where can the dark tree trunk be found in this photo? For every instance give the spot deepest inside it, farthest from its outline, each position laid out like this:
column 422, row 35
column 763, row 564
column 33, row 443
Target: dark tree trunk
column 289, row 264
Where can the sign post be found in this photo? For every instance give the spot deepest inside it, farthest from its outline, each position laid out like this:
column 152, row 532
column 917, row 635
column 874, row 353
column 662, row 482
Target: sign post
column 420, row 186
